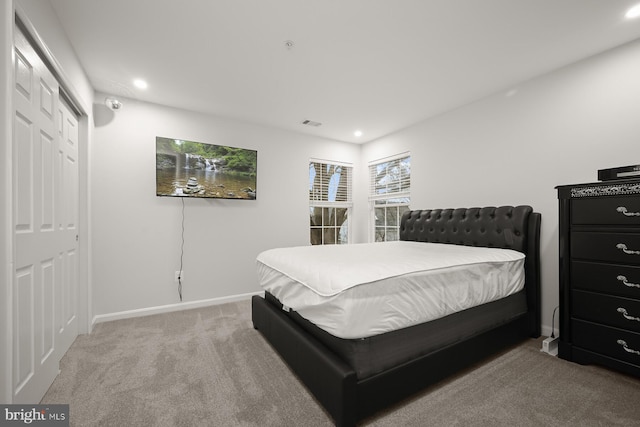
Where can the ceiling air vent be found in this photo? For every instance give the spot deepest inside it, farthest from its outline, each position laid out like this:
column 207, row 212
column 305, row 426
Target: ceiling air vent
column 311, row 123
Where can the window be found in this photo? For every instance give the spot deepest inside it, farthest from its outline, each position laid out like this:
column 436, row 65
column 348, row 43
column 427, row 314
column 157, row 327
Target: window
column 389, row 195
column 330, row 202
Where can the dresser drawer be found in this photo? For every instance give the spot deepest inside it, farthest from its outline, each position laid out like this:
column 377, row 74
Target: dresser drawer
column 615, row 279
column 620, row 312
column 613, row 342
column 607, row 210
column 615, row 247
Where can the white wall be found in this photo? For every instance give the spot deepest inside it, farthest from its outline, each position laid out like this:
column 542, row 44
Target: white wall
column 515, row 147
column 44, row 19
column 556, row 129
column 137, row 236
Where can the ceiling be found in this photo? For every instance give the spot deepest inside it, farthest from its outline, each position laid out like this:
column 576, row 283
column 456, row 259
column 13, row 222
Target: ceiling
column 373, row 65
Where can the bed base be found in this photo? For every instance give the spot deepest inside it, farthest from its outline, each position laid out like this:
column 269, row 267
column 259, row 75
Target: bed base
column 334, row 383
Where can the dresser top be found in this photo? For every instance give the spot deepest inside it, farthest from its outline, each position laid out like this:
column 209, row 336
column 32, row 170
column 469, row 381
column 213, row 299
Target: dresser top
column 619, row 187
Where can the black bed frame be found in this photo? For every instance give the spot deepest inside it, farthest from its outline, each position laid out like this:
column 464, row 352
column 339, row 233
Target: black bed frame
column 334, row 383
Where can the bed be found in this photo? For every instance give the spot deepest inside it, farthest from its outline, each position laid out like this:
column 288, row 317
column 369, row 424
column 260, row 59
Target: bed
column 353, row 375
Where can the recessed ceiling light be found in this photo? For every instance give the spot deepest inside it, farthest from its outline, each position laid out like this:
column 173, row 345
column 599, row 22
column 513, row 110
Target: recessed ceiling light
column 140, row 84
column 634, row 12
column 357, row 133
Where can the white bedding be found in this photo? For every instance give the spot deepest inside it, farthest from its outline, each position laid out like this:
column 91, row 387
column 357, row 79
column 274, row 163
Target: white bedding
column 360, row 290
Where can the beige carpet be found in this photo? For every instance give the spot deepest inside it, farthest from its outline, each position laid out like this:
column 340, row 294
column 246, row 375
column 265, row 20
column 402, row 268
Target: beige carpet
column 209, row 367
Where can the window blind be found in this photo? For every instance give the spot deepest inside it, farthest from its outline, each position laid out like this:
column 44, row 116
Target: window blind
column 390, row 178
column 329, row 182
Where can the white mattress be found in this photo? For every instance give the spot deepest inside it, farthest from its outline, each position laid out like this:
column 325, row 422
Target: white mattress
column 361, row 290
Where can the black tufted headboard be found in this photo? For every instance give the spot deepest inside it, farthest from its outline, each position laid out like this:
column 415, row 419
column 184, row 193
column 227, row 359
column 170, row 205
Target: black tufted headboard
column 506, row 227
column 503, row 227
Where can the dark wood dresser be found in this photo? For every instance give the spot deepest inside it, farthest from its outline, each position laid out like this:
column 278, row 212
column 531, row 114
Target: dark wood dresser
column 600, row 274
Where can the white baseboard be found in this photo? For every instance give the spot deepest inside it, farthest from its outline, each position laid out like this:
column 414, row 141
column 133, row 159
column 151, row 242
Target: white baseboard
column 171, row 307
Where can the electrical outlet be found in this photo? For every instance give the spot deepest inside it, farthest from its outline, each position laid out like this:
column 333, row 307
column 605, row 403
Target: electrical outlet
column 179, row 276
column 550, row 346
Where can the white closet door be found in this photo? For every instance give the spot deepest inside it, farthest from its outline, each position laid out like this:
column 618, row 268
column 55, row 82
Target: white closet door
column 67, row 191
column 45, row 206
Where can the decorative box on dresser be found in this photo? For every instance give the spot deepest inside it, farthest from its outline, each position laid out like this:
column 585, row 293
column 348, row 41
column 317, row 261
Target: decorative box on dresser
column 600, row 274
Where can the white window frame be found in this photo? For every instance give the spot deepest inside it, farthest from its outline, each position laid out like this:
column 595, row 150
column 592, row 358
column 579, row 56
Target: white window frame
column 396, row 190
column 316, row 200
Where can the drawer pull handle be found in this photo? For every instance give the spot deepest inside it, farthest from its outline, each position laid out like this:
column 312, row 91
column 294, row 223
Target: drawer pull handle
column 626, row 314
column 623, row 279
column 624, row 249
column 627, row 349
column 624, row 212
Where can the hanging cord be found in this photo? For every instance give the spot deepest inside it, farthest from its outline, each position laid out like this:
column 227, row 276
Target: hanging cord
column 553, row 318
column 181, row 253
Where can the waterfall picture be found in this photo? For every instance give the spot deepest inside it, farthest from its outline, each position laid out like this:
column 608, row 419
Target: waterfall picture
column 196, row 169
